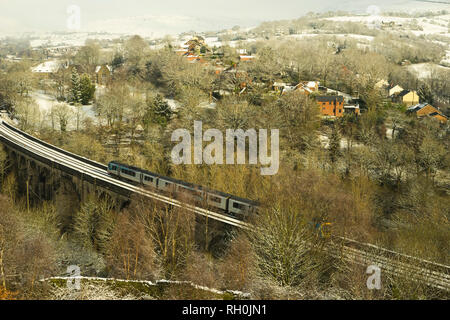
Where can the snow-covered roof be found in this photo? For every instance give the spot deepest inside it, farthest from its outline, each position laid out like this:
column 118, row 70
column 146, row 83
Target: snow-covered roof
column 47, row 67
column 289, row 88
column 382, row 82
column 97, row 69
column 417, row 106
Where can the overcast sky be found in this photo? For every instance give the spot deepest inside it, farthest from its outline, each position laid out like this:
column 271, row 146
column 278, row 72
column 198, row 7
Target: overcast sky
column 51, row 15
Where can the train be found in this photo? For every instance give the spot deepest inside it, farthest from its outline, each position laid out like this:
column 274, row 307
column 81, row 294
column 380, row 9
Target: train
column 231, row 205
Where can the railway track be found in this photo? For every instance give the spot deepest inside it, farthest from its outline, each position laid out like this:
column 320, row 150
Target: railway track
column 74, row 163
column 434, row 274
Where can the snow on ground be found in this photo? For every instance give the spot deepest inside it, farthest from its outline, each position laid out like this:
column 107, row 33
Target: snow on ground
column 47, row 67
column 325, row 142
column 68, row 39
column 389, row 133
column 431, row 25
column 355, row 36
column 446, row 60
column 236, row 43
column 46, row 102
column 430, row 28
column 173, row 104
column 425, row 70
column 366, row 19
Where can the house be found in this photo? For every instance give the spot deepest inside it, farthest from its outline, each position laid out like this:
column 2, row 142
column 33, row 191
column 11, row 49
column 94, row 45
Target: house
column 194, row 44
column 288, row 88
column 12, row 58
column 382, row 84
column 308, row 87
column 279, row 86
column 352, row 109
column 331, row 105
column 246, row 58
column 282, row 87
column 384, row 87
column 394, row 90
column 46, row 69
column 439, row 116
column 181, row 52
column 218, row 69
column 103, row 74
column 406, row 97
column 194, row 58
column 426, row 109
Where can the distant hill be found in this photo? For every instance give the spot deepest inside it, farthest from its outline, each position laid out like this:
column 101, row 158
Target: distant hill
column 147, row 18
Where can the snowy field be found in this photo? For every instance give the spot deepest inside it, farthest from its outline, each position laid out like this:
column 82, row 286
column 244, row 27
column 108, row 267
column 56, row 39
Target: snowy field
column 425, row 70
column 75, row 39
column 46, row 102
column 430, row 26
column 446, row 61
column 340, row 35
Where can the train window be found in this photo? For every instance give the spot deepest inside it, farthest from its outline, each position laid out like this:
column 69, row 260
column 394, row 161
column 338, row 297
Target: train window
column 114, row 168
column 239, row 206
column 128, row 172
column 147, row 178
column 215, row 199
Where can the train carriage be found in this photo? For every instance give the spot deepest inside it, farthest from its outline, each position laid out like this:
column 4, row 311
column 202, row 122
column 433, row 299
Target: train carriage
column 191, row 191
column 113, row 168
column 165, row 184
column 240, row 206
column 130, row 174
column 150, row 180
column 217, row 199
column 235, row 206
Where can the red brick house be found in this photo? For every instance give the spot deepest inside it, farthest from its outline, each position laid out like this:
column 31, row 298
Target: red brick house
column 331, row 105
column 425, row 109
column 246, row 58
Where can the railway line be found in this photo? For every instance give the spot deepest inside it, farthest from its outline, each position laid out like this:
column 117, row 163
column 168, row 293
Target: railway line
column 89, row 169
column 394, row 263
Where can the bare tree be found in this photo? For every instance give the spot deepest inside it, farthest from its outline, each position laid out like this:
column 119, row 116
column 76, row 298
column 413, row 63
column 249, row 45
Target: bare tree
column 63, row 113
